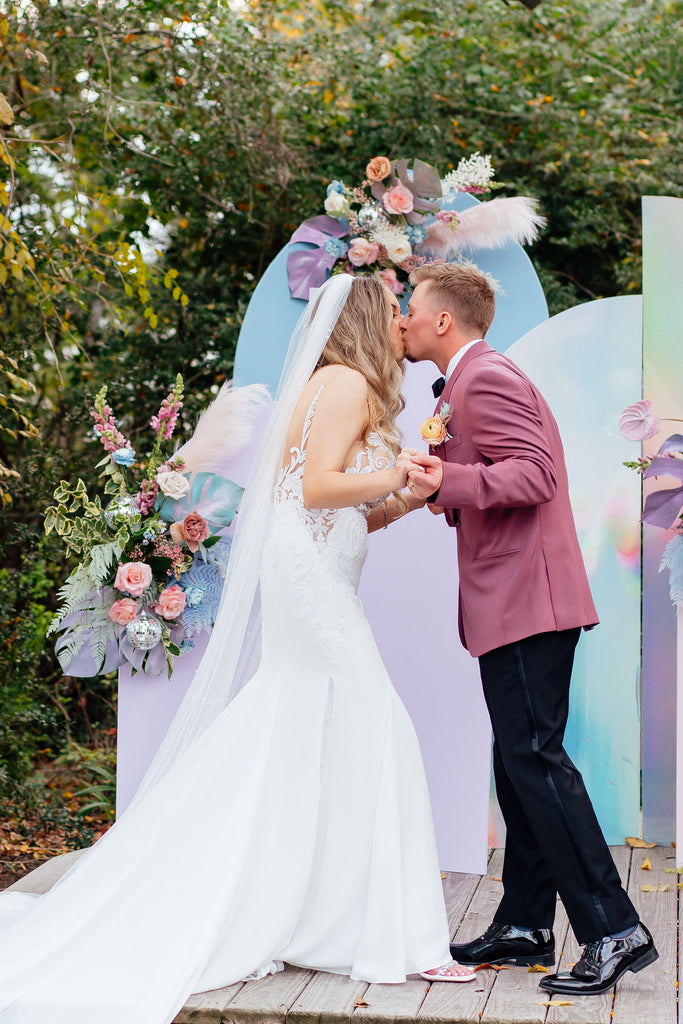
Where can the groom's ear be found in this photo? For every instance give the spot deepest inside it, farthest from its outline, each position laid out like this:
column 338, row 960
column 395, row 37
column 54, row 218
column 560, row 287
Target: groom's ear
column 444, row 321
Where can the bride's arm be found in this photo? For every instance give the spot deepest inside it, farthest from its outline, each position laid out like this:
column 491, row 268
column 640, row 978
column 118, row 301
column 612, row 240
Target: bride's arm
column 339, row 419
column 391, row 510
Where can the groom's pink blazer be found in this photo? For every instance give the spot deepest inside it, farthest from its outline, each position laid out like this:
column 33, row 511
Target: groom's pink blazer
column 505, row 490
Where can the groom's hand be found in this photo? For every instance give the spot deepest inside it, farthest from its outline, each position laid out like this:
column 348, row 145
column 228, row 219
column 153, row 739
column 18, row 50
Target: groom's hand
column 425, row 479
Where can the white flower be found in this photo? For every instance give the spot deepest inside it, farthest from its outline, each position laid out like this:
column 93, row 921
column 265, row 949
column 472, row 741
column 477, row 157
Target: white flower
column 473, row 173
column 395, row 241
column 173, row 485
column 337, row 205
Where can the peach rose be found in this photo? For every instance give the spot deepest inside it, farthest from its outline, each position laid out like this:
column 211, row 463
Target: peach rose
column 123, row 611
column 392, row 282
column 192, row 531
column 361, row 251
column 378, row 169
column 433, row 430
column 398, row 199
column 171, row 602
column 133, row 577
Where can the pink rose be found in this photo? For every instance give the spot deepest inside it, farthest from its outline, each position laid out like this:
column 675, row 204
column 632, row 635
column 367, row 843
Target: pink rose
column 133, row 577
column 123, row 611
column 638, row 422
column 361, row 251
column 391, row 281
column 171, row 602
column 192, row 531
column 398, row 199
column 378, row 169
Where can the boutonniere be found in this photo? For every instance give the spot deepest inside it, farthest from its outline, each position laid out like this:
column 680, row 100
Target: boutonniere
column 433, row 430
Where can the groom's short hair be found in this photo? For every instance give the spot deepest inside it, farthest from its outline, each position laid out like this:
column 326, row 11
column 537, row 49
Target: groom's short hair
column 463, row 290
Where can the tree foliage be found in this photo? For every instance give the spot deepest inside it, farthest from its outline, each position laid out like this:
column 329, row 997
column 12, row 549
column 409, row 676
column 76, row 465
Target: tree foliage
column 157, row 154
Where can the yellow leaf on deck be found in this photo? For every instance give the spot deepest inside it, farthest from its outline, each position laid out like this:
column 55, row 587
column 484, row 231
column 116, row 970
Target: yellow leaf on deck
column 538, row 968
column 359, row 1002
column 443, row 875
column 638, row 844
column 556, row 1002
column 646, row 866
column 654, row 888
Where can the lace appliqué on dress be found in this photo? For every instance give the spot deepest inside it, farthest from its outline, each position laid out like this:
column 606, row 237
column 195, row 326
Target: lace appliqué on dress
column 324, row 549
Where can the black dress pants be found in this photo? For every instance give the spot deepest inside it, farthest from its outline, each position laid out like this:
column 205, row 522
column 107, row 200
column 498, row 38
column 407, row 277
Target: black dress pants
column 554, row 842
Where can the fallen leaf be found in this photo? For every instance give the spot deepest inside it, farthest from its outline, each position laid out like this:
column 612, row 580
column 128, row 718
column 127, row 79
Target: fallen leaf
column 646, row 865
column 443, row 875
column 495, row 879
column 654, row 888
column 556, row 1002
column 359, row 1002
column 538, row 968
column 638, row 844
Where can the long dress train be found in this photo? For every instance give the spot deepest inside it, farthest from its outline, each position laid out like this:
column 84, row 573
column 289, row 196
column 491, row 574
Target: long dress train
column 312, row 841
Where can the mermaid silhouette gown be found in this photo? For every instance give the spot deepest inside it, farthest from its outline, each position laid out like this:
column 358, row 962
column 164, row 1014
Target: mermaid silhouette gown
column 297, row 828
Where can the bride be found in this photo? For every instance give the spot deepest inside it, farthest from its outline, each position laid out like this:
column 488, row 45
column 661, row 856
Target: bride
column 286, row 815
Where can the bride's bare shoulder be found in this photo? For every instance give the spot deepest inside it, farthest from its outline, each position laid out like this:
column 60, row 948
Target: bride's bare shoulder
column 340, row 380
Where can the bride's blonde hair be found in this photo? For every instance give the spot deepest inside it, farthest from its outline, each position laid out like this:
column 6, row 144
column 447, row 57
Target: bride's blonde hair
column 361, row 339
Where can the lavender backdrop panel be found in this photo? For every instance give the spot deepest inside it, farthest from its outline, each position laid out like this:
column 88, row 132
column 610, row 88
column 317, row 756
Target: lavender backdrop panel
column 587, row 361
column 147, row 704
column 663, row 385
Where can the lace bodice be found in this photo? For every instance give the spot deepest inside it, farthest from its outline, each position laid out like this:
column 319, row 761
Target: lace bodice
column 314, row 556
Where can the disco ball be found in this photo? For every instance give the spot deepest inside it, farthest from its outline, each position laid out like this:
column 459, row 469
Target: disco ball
column 123, row 509
column 370, row 215
column 143, row 633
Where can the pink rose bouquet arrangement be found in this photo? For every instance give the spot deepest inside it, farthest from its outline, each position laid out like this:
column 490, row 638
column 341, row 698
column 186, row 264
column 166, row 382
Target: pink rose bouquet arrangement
column 151, row 555
column 400, row 217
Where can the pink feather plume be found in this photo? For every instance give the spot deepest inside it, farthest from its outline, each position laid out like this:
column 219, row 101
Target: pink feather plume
column 489, row 225
column 224, row 429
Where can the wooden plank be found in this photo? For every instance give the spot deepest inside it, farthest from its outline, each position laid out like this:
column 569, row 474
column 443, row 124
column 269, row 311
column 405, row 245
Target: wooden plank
column 391, row 1004
column 458, row 890
column 207, row 1007
column 587, row 1009
column 268, row 1000
column 466, row 1002
column 327, row 998
column 650, row 996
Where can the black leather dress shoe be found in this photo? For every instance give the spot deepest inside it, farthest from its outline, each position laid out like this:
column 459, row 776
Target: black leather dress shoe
column 603, row 962
column 504, row 944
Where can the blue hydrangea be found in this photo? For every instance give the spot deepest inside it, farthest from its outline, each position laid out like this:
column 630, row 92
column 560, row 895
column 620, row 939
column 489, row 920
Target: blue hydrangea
column 416, row 234
column 335, row 247
column 335, row 186
column 124, row 457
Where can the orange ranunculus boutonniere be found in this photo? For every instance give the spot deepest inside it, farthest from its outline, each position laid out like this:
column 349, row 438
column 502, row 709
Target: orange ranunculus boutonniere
column 433, row 430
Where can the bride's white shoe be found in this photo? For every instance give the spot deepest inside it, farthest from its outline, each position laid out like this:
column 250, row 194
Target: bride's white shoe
column 452, row 971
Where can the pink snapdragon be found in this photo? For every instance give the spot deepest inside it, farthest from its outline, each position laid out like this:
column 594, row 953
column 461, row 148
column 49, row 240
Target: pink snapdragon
column 105, row 425
column 147, row 496
column 164, row 422
column 449, row 217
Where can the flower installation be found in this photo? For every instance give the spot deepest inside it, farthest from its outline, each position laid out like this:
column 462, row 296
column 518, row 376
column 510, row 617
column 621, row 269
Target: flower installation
column 151, row 558
column 398, row 219
column 663, row 507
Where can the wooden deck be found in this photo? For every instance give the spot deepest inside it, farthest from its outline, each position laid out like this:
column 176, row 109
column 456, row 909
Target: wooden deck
column 506, row 996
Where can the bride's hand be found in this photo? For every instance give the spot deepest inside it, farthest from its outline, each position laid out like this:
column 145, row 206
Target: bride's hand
column 404, row 464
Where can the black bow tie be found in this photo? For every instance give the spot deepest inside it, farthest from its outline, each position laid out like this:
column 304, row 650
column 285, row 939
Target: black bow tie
column 438, row 386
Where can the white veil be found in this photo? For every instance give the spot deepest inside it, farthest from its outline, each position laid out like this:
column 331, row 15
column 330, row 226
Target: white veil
column 233, row 650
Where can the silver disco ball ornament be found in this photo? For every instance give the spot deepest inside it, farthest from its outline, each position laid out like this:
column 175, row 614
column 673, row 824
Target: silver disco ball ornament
column 144, row 633
column 123, row 509
column 370, row 215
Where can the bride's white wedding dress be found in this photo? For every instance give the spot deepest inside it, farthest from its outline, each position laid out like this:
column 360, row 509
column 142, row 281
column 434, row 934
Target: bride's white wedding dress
column 312, row 840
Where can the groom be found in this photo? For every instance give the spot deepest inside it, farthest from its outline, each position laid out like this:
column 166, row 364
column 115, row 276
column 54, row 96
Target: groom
column 500, row 479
